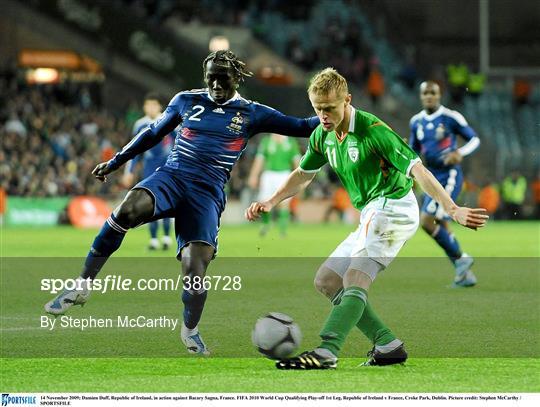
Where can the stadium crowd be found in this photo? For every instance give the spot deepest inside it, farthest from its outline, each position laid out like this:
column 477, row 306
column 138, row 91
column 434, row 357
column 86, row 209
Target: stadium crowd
column 51, row 138
column 341, row 46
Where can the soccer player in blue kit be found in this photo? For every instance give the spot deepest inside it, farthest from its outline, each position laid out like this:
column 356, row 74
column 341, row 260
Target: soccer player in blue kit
column 434, row 133
column 151, row 160
column 214, row 126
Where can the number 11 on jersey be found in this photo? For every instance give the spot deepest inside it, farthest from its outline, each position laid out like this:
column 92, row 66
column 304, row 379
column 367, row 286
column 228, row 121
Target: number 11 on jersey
column 331, row 154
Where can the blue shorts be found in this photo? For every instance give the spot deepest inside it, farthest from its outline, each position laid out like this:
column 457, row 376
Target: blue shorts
column 195, row 206
column 452, row 181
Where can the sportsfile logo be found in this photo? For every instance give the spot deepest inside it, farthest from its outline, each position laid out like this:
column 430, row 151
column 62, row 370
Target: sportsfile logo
column 17, row 400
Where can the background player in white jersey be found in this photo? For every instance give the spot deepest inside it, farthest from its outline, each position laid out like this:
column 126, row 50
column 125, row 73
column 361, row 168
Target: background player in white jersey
column 151, row 160
column 434, row 133
column 276, row 156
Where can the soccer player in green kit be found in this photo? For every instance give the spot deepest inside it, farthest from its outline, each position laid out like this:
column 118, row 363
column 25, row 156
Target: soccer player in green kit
column 377, row 168
column 276, row 156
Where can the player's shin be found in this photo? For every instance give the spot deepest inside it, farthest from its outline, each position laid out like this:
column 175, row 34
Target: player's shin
column 370, row 324
column 193, row 306
column 153, row 227
column 448, row 242
column 374, row 328
column 166, row 226
column 106, row 243
column 283, row 221
column 343, row 318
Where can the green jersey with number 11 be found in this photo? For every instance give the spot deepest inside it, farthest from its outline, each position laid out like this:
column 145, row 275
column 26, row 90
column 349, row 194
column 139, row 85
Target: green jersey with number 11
column 371, row 160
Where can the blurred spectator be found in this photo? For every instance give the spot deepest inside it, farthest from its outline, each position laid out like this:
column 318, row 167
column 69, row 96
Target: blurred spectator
column 341, row 203
column 477, row 82
column 375, row 85
column 513, row 190
column 489, row 198
column 522, row 91
column 408, row 75
column 296, row 53
column 3, row 201
column 14, row 125
column 132, row 114
column 458, row 76
column 536, row 195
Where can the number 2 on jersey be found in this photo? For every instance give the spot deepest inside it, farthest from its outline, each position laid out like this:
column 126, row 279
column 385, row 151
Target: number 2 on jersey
column 195, row 116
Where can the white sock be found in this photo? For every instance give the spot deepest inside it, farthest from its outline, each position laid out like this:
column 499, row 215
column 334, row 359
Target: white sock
column 189, row 332
column 84, row 284
column 154, row 242
column 389, row 346
column 166, row 239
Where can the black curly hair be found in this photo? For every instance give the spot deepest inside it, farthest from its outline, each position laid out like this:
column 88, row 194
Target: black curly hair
column 228, row 58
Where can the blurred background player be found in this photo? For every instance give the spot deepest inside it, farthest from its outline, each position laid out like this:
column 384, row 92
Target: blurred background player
column 433, row 135
column 276, row 156
column 151, row 160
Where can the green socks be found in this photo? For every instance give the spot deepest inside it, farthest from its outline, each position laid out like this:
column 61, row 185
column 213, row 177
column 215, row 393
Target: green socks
column 265, row 217
column 343, row 318
column 370, row 324
column 283, row 220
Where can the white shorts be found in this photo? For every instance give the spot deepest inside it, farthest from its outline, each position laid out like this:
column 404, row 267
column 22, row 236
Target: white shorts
column 385, row 226
column 270, row 182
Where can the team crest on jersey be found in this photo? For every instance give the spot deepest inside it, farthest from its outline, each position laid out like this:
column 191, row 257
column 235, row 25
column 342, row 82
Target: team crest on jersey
column 439, row 132
column 236, row 123
column 353, row 154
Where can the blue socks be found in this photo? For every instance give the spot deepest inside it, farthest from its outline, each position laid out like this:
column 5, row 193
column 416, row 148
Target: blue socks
column 193, row 307
column 448, row 242
column 153, row 226
column 106, row 243
column 166, row 226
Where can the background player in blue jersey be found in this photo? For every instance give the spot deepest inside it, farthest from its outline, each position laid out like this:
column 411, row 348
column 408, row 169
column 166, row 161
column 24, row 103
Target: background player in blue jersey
column 434, row 133
column 215, row 125
column 151, row 160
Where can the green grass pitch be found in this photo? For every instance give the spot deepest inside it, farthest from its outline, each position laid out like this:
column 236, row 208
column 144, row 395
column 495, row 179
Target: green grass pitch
column 483, row 339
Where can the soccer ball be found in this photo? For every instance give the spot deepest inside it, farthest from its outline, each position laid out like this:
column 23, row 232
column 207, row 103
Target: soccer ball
column 276, row 336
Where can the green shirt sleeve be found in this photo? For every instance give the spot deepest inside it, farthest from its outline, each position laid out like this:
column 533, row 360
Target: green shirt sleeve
column 390, row 147
column 314, row 158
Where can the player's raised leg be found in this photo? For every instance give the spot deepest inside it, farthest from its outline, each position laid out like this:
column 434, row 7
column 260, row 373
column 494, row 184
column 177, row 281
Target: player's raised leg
column 196, row 257
column 135, row 209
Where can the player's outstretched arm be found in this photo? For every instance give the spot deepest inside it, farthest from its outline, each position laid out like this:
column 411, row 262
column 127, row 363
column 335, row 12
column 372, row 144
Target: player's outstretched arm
column 297, row 181
column 144, row 140
column 472, row 218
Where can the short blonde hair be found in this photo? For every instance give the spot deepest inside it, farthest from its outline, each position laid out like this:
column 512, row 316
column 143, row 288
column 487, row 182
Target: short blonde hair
column 327, row 81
